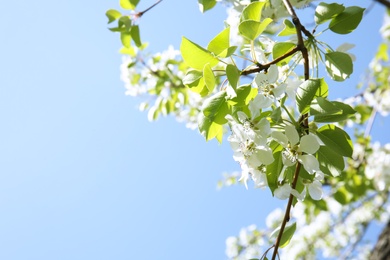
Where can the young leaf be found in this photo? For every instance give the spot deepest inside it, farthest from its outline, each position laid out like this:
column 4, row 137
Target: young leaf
column 113, row 15
column 215, row 108
column 331, row 163
column 251, row 29
column 287, row 234
column 244, row 93
column 195, row 56
column 220, row 42
column 339, row 65
column 325, row 12
column 205, row 5
column 126, row 39
column 135, row 35
column 323, row 107
column 289, row 28
column 273, row 171
column 192, row 76
column 347, row 21
column 128, row 4
column 281, row 48
column 309, row 90
column 209, row 129
column 209, row 78
column 252, row 11
column 344, row 111
column 233, row 75
column 336, row 139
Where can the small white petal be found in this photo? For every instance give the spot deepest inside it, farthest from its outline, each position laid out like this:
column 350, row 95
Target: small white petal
column 261, row 80
column 299, row 196
column 292, row 134
column 280, row 138
column 279, row 91
column 315, row 190
column 283, row 192
column 265, row 155
column 242, row 116
column 309, row 162
column 309, row 144
column 264, row 127
column 273, row 74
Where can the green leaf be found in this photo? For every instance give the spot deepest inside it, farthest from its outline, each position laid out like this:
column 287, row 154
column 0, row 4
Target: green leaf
column 280, row 48
column 339, row 65
column 336, row 139
column 346, row 112
column 209, row 129
column 273, row 171
column 323, row 107
column 325, row 12
column 287, row 234
column 382, row 52
column 233, row 75
column 195, row 56
column 125, row 22
column 126, row 39
column 128, row 4
column 347, row 21
column 252, row 11
column 309, row 90
column 192, row 76
column 245, row 93
column 113, row 15
column 205, row 5
column 289, row 28
column 209, row 78
column 251, row 29
column 215, row 108
column 227, row 52
column 135, row 35
column 220, row 42
column 331, row 163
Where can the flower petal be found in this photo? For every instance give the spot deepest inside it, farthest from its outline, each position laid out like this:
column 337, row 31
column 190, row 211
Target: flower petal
column 283, row 192
column 273, row 74
column 309, row 144
column 309, row 162
column 280, row 138
column 292, row 134
column 315, row 190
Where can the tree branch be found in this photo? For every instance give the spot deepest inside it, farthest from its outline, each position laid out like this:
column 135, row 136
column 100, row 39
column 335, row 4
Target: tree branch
column 384, row 2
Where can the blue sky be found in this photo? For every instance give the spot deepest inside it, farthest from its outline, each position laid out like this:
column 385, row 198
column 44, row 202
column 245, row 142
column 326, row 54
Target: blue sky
column 83, row 174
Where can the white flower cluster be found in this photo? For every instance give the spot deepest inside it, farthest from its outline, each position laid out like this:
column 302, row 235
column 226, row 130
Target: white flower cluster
column 378, row 166
column 250, row 141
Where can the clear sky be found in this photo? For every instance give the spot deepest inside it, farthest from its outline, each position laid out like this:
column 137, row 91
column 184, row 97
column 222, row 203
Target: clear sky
column 83, row 174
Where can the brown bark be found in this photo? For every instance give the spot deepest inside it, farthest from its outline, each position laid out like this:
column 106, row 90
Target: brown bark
column 381, row 250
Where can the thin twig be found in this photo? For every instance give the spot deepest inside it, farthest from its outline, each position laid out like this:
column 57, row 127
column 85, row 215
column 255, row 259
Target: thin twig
column 139, row 14
column 384, row 2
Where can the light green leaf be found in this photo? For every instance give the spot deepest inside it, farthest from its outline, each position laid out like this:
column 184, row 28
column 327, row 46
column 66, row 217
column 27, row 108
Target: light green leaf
column 252, row 11
column 251, row 29
column 309, row 90
column 280, row 48
column 287, row 234
column 199, row 86
column 209, row 129
column 125, row 21
column 220, row 42
column 227, row 52
column 331, row 163
column 382, row 53
column 339, row 65
column 325, row 12
column 245, row 93
column 126, row 39
column 336, row 139
column 192, row 76
column 233, row 75
column 347, row 21
column 135, row 35
column 195, row 56
column 273, row 171
column 289, row 28
column 113, row 15
column 209, row 78
column 342, row 196
column 128, row 4
column 205, row 5
column 215, row 108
